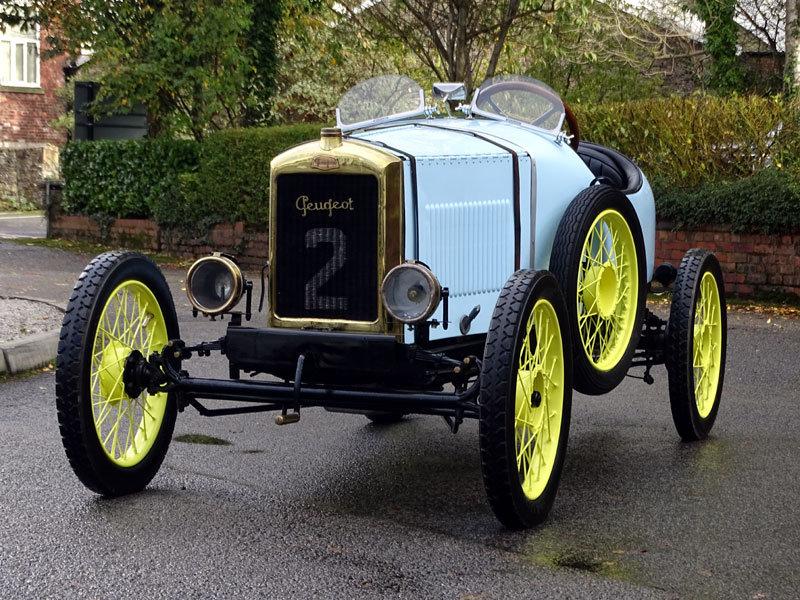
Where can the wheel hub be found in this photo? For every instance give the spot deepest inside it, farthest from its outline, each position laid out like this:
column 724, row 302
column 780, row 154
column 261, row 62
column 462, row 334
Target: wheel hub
column 601, row 286
column 136, row 375
column 537, row 410
column 111, row 371
column 529, row 385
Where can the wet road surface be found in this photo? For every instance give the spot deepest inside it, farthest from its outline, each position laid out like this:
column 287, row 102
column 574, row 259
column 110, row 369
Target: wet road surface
column 334, row 507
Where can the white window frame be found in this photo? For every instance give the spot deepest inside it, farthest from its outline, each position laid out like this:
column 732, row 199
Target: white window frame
column 16, row 39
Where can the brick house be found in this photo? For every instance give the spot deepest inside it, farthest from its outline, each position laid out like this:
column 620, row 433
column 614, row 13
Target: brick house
column 29, row 103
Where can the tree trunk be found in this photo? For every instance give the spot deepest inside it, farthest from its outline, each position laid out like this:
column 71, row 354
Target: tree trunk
column 792, row 69
column 462, row 57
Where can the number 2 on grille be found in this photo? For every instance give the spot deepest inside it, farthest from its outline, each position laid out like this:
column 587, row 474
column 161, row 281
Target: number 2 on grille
column 336, row 237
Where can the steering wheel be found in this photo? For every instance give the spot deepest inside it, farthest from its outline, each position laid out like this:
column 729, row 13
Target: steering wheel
column 556, row 104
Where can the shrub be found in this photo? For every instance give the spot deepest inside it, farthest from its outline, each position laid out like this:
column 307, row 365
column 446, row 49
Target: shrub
column 123, row 178
column 180, row 183
column 232, row 182
column 711, row 161
column 767, row 202
column 690, row 141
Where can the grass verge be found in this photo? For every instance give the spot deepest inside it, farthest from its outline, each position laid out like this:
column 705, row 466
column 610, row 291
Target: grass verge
column 16, row 206
column 90, row 248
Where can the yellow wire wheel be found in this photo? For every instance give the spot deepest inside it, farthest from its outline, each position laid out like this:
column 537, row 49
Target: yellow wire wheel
column 526, row 398
column 114, row 442
column 131, row 320
column 598, row 258
column 539, row 399
column 696, row 344
column 707, row 344
column 608, row 290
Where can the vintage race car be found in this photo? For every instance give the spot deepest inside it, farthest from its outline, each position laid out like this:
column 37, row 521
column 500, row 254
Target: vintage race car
column 466, row 261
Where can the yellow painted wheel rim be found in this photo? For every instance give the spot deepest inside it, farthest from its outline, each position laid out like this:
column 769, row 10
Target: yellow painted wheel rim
column 539, row 399
column 707, row 344
column 126, row 427
column 608, row 290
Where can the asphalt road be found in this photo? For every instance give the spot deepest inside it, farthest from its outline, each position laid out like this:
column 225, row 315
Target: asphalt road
column 16, row 225
column 334, row 507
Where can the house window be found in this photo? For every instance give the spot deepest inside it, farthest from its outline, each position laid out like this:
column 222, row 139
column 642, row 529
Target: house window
column 19, row 57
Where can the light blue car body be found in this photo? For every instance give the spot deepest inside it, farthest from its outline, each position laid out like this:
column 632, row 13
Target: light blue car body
column 465, row 204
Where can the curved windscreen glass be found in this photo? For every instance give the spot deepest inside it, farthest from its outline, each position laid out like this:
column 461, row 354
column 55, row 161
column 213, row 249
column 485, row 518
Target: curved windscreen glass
column 521, row 99
column 379, row 99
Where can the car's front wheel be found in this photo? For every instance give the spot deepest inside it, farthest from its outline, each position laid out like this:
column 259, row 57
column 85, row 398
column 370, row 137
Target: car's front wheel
column 525, row 399
column 115, row 443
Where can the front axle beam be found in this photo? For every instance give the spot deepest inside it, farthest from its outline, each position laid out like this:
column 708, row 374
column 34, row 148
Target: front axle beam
column 279, row 395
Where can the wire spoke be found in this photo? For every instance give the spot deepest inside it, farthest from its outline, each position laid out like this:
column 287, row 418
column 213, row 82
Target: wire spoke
column 131, row 319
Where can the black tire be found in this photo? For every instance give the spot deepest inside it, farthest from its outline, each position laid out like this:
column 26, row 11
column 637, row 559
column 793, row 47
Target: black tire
column 691, row 425
column 73, row 396
column 384, row 418
column 497, row 417
column 565, row 263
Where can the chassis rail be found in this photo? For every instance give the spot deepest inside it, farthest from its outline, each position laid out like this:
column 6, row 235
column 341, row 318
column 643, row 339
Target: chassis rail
column 160, row 373
column 277, row 396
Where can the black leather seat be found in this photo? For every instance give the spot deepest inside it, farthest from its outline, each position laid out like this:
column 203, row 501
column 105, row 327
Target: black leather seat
column 611, row 167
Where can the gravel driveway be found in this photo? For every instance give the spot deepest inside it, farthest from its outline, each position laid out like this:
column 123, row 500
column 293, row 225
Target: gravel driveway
column 22, row 317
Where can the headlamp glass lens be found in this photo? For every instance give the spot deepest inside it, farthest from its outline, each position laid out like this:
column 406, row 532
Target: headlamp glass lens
column 223, row 286
column 408, row 294
column 212, row 284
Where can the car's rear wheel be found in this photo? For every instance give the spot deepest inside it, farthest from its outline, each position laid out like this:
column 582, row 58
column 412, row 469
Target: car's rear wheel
column 115, row 443
column 696, row 343
column 525, row 399
column 598, row 259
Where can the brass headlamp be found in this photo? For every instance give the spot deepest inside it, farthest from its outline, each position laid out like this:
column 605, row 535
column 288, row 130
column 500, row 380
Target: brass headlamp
column 214, row 284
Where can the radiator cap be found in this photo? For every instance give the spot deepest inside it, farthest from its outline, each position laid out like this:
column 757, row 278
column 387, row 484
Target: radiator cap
column 330, row 138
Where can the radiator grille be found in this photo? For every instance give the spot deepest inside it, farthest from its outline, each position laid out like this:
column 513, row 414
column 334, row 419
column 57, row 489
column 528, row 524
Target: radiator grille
column 326, row 247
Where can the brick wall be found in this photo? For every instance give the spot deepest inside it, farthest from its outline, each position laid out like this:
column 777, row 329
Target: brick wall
column 250, row 247
column 25, row 115
column 29, row 146
column 751, row 263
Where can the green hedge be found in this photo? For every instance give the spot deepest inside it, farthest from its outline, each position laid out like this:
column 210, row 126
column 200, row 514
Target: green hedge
column 711, row 160
column 691, row 141
column 123, row 178
column 232, row 179
column 767, row 202
column 179, row 183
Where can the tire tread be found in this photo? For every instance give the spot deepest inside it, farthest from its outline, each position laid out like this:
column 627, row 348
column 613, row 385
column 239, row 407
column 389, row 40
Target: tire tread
column 679, row 331
column 69, row 366
column 500, row 353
